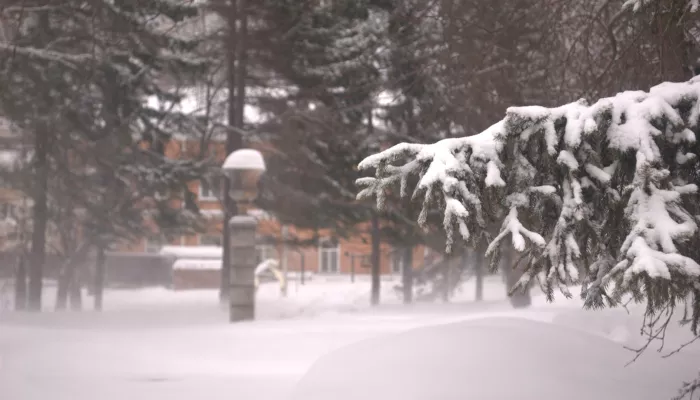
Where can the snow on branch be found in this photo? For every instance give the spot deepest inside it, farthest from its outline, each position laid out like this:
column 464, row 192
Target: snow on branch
column 601, row 191
column 638, row 5
column 69, row 60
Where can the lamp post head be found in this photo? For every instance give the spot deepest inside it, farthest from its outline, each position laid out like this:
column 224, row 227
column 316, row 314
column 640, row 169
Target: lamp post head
column 244, row 168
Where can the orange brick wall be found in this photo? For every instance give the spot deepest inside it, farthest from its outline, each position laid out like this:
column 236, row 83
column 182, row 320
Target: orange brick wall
column 359, row 244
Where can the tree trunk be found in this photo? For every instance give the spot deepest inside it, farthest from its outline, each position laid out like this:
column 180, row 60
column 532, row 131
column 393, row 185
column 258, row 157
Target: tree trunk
column 242, row 64
column 225, row 282
column 376, row 267
column 407, row 275
column 519, row 299
column 99, row 284
column 39, row 221
column 69, row 279
column 75, row 292
column 283, row 259
column 478, row 260
column 64, row 282
column 446, row 277
column 67, row 269
column 21, row 284
column 39, row 191
column 376, row 239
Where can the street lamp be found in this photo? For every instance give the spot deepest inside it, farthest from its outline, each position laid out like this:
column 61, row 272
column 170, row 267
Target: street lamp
column 243, row 168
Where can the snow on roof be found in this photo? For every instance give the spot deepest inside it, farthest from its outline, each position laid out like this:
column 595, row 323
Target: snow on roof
column 218, row 214
column 193, row 252
column 197, row 264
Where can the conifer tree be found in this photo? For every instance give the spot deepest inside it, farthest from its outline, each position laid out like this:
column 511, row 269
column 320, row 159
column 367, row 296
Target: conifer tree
column 99, row 82
column 601, row 194
column 325, row 65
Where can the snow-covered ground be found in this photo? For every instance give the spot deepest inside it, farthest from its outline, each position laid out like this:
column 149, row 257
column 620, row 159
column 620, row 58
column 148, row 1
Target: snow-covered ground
column 157, row 344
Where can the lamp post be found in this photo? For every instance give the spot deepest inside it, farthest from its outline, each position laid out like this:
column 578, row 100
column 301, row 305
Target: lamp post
column 243, row 168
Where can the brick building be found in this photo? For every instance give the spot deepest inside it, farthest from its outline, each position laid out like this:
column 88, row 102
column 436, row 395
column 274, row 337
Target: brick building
column 330, row 256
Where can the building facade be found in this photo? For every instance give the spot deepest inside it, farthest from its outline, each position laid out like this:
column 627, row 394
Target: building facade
column 330, row 255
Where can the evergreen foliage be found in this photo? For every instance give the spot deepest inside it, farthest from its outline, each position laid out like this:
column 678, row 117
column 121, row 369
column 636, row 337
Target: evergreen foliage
column 602, row 194
column 92, row 79
column 324, row 59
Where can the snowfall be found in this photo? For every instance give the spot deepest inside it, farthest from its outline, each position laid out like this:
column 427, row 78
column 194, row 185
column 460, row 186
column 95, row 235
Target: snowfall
column 323, row 341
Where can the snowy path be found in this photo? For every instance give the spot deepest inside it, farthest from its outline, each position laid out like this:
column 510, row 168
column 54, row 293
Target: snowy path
column 258, row 361
column 156, row 344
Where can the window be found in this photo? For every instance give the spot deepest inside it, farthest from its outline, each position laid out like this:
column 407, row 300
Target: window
column 210, row 240
column 265, row 252
column 329, row 251
column 210, row 188
column 6, row 211
column 154, row 244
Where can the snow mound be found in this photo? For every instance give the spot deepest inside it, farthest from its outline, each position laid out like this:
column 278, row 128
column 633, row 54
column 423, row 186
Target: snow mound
column 493, row 358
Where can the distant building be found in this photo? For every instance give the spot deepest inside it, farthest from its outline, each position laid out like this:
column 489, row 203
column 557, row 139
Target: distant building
column 330, row 255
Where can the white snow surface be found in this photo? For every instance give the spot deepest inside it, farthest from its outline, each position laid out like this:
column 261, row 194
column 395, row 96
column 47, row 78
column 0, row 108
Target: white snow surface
column 324, row 342
column 197, row 264
column 510, row 357
column 196, row 252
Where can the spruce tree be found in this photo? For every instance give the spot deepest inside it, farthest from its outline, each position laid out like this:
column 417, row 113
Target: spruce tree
column 322, row 58
column 99, row 83
column 601, row 194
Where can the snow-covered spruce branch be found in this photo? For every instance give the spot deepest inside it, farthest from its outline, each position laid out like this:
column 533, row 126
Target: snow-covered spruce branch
column 638, row 5
column 593, row 193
